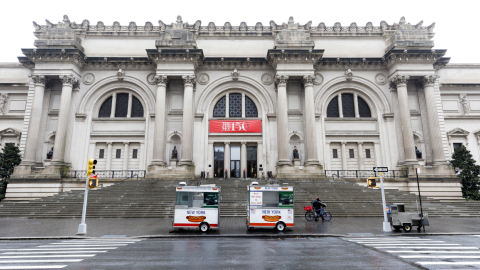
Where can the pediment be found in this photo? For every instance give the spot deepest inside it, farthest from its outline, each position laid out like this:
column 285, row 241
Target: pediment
column 10, row 132
column 458, row 132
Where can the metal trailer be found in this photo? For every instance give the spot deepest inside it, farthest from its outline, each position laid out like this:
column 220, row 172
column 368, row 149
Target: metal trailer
column 197, row 207
column 270, row 207
column 399, row 219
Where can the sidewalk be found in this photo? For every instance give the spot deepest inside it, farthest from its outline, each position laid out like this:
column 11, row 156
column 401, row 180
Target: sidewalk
column 229, row 226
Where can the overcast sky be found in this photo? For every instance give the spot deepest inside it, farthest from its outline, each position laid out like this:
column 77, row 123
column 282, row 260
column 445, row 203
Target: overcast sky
column 456, row 29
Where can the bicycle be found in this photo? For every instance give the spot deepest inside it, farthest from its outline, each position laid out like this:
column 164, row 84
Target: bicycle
column 310, row 215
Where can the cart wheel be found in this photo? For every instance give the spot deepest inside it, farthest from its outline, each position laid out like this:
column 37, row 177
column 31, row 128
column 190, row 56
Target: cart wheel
column 204, row 227
column 407, row 227
column 280, row 226
column 397, row 228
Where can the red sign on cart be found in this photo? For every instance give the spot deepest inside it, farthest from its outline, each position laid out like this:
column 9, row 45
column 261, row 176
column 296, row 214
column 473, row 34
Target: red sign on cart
column 235, row 126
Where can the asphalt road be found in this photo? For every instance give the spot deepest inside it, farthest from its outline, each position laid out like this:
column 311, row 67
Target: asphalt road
column 355, row 252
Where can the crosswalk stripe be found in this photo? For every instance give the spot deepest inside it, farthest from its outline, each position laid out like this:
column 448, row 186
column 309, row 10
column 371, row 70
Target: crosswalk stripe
column 49, row 252
column 432, row 247
column 403, row 242
column 41, row 261
column 34, row 267
column 447, row 263
column 385, row 238
column 412, row 244
column 84, row 246
column 58, row 248
column 90, row 242
column 440, row 257
column 433, row 251
column 46, row 256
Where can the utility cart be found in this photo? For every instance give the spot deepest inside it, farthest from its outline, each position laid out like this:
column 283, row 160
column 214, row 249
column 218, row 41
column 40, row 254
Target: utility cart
column 270, row 207
column 197, row 207
column 399, row 219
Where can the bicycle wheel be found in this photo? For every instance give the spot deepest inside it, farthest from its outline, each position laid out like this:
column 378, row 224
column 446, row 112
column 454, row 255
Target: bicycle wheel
column 327, row 216
column 309, row 215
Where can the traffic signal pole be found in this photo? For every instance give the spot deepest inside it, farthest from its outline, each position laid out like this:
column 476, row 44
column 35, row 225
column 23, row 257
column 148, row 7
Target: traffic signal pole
column 82, row 228
column 386, row 224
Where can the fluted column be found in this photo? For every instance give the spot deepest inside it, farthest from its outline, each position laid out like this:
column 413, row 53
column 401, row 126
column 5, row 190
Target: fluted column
column 400, row 83
column 109, row 156
column 159, row 133
column 69, row 82
column 187, row 141
column 125, row 156
column 344, row 156
column 282, row 121
column 243, row 158
column 433, row 121
column 378, row 156
column 360, row 155
column 226, row 159
column 35, row 119
column 310, row 127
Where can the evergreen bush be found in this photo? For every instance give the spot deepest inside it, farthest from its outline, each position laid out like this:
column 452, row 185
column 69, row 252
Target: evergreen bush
column 468, row 173
column 9, row 158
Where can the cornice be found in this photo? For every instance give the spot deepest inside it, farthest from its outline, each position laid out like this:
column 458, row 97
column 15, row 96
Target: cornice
column 119, row 63
column 463, row 86
column 194, row 56
column 229, row 63
column 423, row 56
column 53, row 55
column 275, row 56
column 346, row 63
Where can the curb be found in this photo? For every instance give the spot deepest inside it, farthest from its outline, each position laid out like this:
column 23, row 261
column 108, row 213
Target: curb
column 165, row 236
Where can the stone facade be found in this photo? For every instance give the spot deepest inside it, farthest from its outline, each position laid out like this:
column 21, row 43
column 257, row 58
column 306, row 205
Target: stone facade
column 348, row 97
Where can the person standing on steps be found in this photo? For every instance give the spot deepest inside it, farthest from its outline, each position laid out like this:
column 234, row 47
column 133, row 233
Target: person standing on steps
column 317, row 207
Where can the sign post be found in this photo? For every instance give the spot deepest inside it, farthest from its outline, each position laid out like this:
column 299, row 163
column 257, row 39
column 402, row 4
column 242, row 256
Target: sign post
column 417, row 171
column 386, row 224
column 82, row 228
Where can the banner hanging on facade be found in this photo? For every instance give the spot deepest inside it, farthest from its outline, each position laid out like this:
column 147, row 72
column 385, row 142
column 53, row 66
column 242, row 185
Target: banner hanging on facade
column 235, row 126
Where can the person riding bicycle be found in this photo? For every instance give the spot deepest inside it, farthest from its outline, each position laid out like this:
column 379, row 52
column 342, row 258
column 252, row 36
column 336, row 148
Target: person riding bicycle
column 317, row 207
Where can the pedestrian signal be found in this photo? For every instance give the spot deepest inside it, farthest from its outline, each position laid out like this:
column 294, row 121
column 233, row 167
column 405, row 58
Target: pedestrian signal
column 92, row 183
column 371, row 182
column 91, row 166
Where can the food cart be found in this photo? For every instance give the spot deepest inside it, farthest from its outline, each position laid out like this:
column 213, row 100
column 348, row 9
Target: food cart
column 270, row 207
column 197, row 207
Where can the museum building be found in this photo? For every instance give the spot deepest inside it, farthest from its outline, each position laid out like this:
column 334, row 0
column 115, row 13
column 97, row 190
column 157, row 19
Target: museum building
column 289, row 100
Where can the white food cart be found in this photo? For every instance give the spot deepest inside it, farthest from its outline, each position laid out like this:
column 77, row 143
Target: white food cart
column 270, row 207
column 197, row 207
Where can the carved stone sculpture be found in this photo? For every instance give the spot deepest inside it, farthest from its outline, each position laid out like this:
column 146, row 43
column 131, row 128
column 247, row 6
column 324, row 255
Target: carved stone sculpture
column 295, row 153
column 3, row 103
column 174, row 153
column 464, row 102
column 50, row 154
column 418, row 153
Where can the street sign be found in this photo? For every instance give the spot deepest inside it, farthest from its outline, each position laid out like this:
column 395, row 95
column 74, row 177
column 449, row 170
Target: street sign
column 418, row 170
column 380, row 169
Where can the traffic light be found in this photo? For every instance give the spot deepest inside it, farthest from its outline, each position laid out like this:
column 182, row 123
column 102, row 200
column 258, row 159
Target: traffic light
column 92, row 182
column 371, row 182
column 91, row 166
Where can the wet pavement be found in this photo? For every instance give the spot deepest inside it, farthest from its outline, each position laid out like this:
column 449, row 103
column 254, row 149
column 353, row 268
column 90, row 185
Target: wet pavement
column 229, row 226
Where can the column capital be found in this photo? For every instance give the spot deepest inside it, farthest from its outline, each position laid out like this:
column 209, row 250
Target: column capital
column 399, row 80
column 126, row 142
column 429, row 80
column 161, row 80
column 244, row 142
column 109, row 143
column 69, row 80
column 38, row 79
column 360, row 143
column 343, row 142
column 281, row 80
column 308, row 80
column 226, row 143
column 189, row 80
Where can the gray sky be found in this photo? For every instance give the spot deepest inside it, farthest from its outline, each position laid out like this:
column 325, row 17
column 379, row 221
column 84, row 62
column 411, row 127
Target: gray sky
column 456, row 26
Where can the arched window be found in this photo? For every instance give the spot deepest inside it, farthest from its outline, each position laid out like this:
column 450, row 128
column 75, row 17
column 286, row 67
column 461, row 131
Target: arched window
column 124, row 105
column 347, row 106
column 235, row 106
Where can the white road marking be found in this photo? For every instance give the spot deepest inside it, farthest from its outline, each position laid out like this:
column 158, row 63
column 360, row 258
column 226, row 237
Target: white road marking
column 402, row 242
column 432, row 247
column 440, row 257
column 41, row 261
column 432, row 251
column 34, row 267
column 448, row 263
column 90, row 242
column 84, row 246
column 386, row 238
column 56, row 248
column 45, row 256
column 412, row 244
column 50, row 252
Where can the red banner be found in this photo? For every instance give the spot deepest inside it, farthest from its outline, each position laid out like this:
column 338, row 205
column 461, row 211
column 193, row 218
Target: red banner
column 235, row 126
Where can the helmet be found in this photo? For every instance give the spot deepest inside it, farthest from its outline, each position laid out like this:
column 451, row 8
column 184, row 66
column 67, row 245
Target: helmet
column 317, row 198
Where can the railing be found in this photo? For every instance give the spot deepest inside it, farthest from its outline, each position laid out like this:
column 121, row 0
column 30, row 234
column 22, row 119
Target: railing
column 365, row 173
column 106, row 174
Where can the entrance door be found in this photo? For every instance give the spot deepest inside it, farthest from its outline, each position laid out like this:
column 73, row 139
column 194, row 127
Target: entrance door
column 218, row 163
column 235, row 161
column 251, row 161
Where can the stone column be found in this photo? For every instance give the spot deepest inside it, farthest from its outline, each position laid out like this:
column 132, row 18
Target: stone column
column 243, row 158
column 159, row 132
column 260, row 160
column 340, row 107
column 35, row 119
column 433, row 121
column 400, row 82
column 69, row 82
column 355, row 105
column 129, row 106
column 360, row 156
column 125, row 156
column 108, row 166
column 211, row 159
column 282, row 121
column 328, row 149
column 310, row 127
column 226, row 159
column 142, row 156
column 243, row 105
column 344, row 156
column 114, row 103
column 378, row 156
column 187, row 140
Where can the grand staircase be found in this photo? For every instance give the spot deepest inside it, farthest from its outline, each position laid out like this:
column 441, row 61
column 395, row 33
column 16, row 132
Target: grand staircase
column 155, row 199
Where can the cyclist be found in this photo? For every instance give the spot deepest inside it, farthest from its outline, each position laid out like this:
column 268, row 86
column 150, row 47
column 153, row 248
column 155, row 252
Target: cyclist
column 317, row 207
